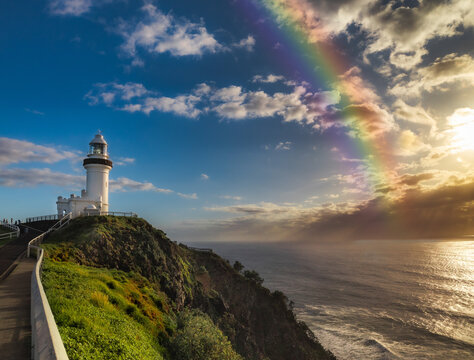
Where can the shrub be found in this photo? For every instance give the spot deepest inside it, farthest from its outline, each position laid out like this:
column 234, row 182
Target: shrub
column 238, row 266
column 197, row 338
column 254, row 276
column 202, row 270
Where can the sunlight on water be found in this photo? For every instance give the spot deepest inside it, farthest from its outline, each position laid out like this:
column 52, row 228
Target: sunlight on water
column 375, row 299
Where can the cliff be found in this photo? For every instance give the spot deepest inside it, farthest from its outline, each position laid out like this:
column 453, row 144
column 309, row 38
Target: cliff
column 172, row 291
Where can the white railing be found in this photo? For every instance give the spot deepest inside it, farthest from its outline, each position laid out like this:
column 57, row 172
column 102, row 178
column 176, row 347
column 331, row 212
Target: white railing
column 42, row 218
column 46, row 340
column 10, row 235
column 37, row 240
column 108, row 213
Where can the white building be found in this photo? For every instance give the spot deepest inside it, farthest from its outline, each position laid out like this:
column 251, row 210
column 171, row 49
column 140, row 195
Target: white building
column 95, row 198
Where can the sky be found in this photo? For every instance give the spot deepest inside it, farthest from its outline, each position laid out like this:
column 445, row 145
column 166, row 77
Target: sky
column 245, row 120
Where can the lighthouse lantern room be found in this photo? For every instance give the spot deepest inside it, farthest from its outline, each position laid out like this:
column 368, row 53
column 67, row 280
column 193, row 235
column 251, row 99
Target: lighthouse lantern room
column 95, row 198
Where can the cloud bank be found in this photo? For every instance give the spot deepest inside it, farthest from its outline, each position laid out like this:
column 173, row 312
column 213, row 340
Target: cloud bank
column 440, row 212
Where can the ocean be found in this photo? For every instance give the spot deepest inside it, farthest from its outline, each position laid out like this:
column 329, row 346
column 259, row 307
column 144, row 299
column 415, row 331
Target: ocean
column 374, row 299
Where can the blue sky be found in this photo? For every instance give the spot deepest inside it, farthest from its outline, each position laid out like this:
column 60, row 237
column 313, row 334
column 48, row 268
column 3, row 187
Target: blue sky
column 215, row 133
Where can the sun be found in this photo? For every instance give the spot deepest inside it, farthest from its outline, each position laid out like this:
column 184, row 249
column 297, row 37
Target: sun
column 461, row 128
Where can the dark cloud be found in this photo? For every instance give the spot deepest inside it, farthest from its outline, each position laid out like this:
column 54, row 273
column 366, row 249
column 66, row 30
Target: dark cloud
column 413, row 180
column 443, row 212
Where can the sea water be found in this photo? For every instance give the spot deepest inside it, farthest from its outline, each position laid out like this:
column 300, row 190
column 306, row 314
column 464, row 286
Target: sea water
column 374, row 299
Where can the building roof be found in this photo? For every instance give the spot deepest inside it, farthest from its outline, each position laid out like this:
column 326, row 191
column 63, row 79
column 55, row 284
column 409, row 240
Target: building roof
column 98, row 139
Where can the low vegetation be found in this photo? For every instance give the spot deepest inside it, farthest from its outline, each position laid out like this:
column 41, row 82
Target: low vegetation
column 198, row 338
column 120, row 289
column 105, row 314
column 110, row 314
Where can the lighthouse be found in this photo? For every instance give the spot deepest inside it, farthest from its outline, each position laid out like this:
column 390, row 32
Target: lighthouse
column 95, row 198
column 98, row 166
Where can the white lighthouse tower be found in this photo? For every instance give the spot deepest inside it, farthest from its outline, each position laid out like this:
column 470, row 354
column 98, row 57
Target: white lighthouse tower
column 98, row 166
column 95, row 198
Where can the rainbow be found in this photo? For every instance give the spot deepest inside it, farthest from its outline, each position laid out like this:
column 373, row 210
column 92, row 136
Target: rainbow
column 311, row 53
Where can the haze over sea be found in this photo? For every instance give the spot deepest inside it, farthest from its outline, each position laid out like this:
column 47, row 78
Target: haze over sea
column 374, row 299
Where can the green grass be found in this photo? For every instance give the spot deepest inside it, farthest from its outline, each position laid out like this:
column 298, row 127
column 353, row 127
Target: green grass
column 106, row 314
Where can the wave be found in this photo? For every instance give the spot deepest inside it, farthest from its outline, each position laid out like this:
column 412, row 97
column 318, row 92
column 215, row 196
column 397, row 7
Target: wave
column 381, row 349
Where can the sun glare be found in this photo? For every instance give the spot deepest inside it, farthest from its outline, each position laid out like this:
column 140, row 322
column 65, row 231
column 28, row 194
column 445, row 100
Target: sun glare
column 461, row 124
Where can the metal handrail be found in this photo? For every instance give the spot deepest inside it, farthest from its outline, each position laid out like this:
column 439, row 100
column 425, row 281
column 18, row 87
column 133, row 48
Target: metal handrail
column 37, row 240
column 46, row 340
column 108, row 213
column 10, row 235
column 42, row 218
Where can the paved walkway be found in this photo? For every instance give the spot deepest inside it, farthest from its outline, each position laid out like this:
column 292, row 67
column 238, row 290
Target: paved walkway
column 11, row 251
column 15, row 302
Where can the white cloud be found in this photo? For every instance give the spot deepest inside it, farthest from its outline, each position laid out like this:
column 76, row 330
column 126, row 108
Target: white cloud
column 108, row 93
column 452, row 69
column 409, row 143
column 229, row 94
column 283, row 146
column 231, row 197
column 248, row 43
column 160, row 33
column 261, row 209
column 204, row 177
column 124, row 161
column 300, row 105
column 120, row 97
column 231, row 110
column 184, row 105
column 14, row 151
column 414, row 114
column 192, row 196
column 270, row 78
column 70, row 7
column 461, row 129
column 390, row 26
column 32, row 177
column 123, row 184
column 33, row 111
column 202, row 89
column 18, row 177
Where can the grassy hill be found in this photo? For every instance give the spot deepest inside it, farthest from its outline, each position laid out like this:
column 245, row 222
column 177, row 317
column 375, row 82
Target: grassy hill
column 120, row 289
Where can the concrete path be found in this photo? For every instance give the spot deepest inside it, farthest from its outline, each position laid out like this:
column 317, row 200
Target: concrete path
column 15, row 302
column 11, row 251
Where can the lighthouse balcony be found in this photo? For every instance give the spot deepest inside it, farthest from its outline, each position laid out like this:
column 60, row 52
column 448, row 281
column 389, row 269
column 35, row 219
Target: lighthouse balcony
column 98, row 161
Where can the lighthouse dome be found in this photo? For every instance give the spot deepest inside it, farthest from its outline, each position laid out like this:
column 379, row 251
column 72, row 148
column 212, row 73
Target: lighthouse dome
column 98, row 147
column 98, row 139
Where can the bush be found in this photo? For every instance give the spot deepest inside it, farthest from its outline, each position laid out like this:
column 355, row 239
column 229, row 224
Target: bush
column 238, row 266
column 197, row 338
column 99, row 299
column 254, row 276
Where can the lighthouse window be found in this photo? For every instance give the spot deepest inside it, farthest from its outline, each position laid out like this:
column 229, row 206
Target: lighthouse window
column 97, row 149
